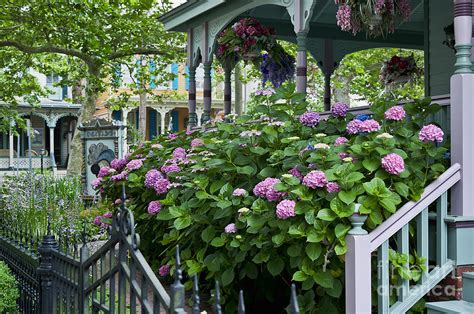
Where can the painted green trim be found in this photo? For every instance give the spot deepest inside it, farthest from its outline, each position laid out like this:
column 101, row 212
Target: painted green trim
column 463, row 59
column 441, row 229
column 403, row 247
column 427, row 31
column 422, row 233
column 383, row 278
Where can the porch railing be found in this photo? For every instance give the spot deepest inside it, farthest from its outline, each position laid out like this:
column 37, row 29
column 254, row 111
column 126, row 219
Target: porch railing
column 362, row 248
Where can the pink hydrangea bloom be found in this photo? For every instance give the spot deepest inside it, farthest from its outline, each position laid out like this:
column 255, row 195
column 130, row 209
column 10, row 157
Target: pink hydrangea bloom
column 179, row 153
column 118, row 164
column 315, row 179
column 151, row 177
column 339, row 109
column 95, row 183
column 230, row 228
column 239, row 192
column 170, row 168
column 97, row 220
column 265, row 189
column 340, row 141
column 396, row 113
column 393, row 164
column 119, row 177
column 108, row 215
column 343, row 155
column 172, row 136
column 285, row 209
column 154, row 207
column 369, row 126
column 164, row 270
column 310, row 118
column 343, row 17
column 431, row 133
column 197, row 142
column 296, row 173
column 135, row 164
column 162, row 186
column 118, row 201
column 332, row 187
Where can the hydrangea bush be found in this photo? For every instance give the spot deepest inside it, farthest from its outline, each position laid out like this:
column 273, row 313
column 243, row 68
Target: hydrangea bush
column 261, row 203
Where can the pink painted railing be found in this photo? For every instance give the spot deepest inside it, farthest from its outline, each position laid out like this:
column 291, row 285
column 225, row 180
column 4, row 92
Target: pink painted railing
column 362, row 247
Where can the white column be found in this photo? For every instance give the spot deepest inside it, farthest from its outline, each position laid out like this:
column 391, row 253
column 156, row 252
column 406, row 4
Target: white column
column 199, row 112
column 125, row 130
column 51, row 147
column 163, row 111
column 10, row 139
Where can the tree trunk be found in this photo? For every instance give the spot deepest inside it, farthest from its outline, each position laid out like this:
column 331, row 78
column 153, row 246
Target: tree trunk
column 86, row 114
column 142, row 116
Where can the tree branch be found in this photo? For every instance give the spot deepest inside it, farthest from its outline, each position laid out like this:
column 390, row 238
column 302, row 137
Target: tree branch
column 89, row 60
column 139, row 51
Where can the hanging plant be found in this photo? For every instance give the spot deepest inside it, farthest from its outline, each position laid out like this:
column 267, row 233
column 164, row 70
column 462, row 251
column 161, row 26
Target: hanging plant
column 277, row 67
column 399, row 70
column 245, row 40
column 375, row 17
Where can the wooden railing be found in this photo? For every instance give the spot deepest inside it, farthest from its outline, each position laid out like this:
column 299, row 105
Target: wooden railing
column 361, row 248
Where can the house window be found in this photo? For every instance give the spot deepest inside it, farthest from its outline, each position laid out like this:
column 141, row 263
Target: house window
column 56, row 92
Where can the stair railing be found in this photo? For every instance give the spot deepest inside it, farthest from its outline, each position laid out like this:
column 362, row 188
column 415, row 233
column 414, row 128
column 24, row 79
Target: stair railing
column 361, row 246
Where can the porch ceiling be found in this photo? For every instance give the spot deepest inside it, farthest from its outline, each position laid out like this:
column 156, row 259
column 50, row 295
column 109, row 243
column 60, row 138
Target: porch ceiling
column 322, row 24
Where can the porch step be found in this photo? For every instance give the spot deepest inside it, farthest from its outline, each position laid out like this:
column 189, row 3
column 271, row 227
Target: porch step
column 450, row 307
column 468, row 287
column 465, row 306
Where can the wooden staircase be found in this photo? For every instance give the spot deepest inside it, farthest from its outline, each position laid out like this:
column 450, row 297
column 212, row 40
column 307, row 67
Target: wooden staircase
column 464, row 306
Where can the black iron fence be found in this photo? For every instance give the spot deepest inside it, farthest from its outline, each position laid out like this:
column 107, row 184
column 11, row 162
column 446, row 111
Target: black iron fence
column 60, row 275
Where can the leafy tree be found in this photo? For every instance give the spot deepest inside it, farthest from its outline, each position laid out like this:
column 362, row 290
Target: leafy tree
column 98, row 33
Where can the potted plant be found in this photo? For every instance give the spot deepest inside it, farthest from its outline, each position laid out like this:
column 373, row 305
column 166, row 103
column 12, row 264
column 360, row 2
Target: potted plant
column 375, row 17
column 399, row 70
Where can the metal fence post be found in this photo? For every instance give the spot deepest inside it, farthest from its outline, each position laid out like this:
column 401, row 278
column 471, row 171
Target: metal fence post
column 45, row 270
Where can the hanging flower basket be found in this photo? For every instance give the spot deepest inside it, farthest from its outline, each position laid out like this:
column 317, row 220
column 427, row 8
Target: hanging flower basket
column 399, row 70
column 375, row 17
column 245, row 40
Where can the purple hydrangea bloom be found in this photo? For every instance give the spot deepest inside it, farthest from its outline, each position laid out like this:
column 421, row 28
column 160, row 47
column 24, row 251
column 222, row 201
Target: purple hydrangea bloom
column 393, row 164
column 431, row 133
column 162, row 186
column 239, row 192
column 135, row 164
column 353, row 127
column 369, row 126
column 179, row 153
column 104, row 171
column 164, row 270
column 151, row 177
column 396, row 113
column 315, row 179
column 310, row 118
column 95, row 183
column 265, row 189
column 339, row 109
column 230, row 228
column 118, row 164
column 119, row 177
column 340, row 141
column 332, row 187
column 170, row 168
column 108, row 215
column 285, row 209
column 197, row 142
column 97, row 220
column 172, row 136
column 154, row 207
column 295, row 173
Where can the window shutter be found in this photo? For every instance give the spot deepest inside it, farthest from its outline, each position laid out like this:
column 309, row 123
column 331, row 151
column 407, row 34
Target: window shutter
column 117, row 115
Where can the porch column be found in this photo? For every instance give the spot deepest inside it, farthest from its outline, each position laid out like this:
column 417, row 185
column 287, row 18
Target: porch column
column 227, row 91
column 10, row 147
column 51, row 146
column 199, row 112
column 163, row 111
column 328, row 70
column 462, row 109
column 301, row 63
column 125, row 131
column 192, row 98
column 207, row 93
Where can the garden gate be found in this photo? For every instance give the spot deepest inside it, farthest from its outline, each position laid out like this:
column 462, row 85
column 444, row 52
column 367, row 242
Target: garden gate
column 62, row 277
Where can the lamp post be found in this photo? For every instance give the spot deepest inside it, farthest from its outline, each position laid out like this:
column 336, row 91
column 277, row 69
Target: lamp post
column 42, row 154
